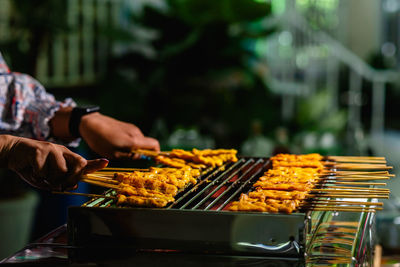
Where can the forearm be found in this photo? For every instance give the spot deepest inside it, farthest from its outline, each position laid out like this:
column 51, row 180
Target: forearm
column 6, row 144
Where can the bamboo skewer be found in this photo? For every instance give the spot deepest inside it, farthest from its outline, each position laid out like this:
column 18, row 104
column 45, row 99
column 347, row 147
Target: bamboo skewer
column 344, row 202
column 355, row 177
column 355, row 161
column 341, row 206
column 361, row 188
column 83, row 194
column 346, row 173
column 150, row 153
column 121, row 169
column 356, row 157
column 108, row 185
column 354, row 187
column 110, row 181
column 360, row 183
column 344, row 166
column 345, row 191
column 344, row 209
column 105, row 175
column 349, row 178
column 348, row 195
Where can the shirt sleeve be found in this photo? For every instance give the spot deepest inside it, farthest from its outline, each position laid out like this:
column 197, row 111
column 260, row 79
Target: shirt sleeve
column 25, row 106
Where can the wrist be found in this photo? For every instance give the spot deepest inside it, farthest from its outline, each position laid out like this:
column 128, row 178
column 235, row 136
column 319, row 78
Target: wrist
column 78, row 115
column 59, row 123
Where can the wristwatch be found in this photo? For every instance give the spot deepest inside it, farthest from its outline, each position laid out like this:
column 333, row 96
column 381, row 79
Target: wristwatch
column 76, row 115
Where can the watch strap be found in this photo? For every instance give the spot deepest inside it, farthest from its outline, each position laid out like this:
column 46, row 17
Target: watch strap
column 75, row 119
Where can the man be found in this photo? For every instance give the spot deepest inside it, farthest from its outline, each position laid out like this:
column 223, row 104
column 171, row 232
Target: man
column 34, row 127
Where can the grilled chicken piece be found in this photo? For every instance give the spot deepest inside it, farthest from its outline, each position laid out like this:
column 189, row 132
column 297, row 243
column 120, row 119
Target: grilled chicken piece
column 128, row 190
column 139, row 181
column 284, row 186
column 142, row 201
column 293, row 157
column 269, row 205
column 262, row 195
column 302, row 164
column 198, row 158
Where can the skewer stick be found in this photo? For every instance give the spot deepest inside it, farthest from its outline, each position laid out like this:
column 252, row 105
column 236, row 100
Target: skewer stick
column 360, row 188
column 345, row 173
column 343, row 202
column 102, row 176
column 360, row 183
column 83, row 194
column 340, row 206
column 356, row 157
column 344, row 209
column 372, row 161
column 349, row 192
column 100, row 183
column 150, row 153
column 107, row 169
column 356, row 190
column 349, row 178
column 109, row 181
column 107, row 175
column 339, row 191
column 349, row 166
column 348, row 195
column 357, row 177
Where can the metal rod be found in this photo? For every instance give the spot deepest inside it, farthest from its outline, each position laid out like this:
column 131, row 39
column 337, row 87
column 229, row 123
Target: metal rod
column 237, row 181
column 203, row 179
column 211, row 184
column 205, row 198
column 239, row 190
column 223, row 183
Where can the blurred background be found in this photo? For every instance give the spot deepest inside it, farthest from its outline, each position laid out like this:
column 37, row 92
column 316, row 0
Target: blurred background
column 260, row 76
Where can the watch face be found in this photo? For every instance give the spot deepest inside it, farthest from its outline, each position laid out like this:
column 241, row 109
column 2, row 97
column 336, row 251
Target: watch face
column 90, row 109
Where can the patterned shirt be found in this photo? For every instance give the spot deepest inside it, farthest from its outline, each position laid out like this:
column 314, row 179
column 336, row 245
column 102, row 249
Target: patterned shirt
column 25, row 106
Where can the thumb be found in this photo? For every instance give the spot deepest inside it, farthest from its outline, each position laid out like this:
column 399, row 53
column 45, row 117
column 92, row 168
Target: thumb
column 95, row 165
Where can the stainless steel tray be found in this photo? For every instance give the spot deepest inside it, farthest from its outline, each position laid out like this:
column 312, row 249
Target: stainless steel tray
column 219, row 232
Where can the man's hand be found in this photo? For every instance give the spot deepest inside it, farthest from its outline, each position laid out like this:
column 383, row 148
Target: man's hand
column 112, row 138
column 45, row 165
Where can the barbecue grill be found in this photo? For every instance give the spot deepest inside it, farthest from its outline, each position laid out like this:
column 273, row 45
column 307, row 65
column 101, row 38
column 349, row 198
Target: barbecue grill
column 198, row 221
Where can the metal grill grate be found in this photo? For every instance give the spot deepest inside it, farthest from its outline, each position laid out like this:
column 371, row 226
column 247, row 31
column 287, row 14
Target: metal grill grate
column 215, row 189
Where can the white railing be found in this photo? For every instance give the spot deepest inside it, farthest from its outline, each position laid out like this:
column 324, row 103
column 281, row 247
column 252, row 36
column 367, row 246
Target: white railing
column 284, row 71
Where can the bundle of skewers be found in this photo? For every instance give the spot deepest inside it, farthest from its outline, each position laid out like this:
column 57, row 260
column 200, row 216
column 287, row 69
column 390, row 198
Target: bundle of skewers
column 197, row 159
column 294, row 183
column 314, row 182
column 156, row 187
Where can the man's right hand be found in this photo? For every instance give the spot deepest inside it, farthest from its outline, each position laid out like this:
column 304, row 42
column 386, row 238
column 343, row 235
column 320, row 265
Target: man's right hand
column 45, row 165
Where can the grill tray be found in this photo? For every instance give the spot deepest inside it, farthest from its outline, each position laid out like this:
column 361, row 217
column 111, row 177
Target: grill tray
column 196, row 222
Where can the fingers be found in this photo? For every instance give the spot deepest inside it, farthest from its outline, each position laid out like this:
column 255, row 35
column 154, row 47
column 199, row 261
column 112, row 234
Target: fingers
column 76, row 165
column 147, row 143
column 57, row 169
column 95, row 165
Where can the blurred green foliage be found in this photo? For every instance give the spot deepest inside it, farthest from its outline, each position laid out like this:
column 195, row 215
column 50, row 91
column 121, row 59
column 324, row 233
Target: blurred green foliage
column 200, row 75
